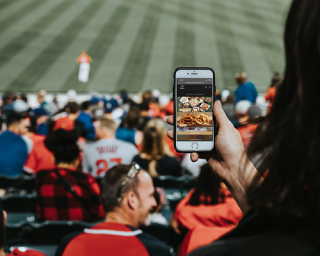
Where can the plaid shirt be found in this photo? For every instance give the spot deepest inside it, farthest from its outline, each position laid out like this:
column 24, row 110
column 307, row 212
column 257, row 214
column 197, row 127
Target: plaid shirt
column 55, row 202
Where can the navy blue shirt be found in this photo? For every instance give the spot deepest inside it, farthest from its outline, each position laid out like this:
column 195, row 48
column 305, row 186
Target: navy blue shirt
column 246, row 91
column 14, row 150
column 88, row 127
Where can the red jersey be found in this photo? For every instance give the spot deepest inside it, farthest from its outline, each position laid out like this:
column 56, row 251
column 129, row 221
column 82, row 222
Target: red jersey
column 221, row 214
column 169, row 108
column 270, row 95
column 36, row 138
column 40, row 158
column 156, row 111
column 201, row 236
column 17, row 252
column 246, row 133
column 65, row 123
column 112, row 239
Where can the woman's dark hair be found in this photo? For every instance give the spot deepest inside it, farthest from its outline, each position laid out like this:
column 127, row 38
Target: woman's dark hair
column 85, row 105
column 72, row 107
column 63, row 145
column 132, row 118
column 207, row 188
column 287, row 142
column 153, row 144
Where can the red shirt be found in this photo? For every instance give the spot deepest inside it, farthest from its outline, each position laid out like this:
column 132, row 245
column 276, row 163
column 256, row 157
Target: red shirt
column 221, row 215
column 112, row 239
column 36, row 138
column 270, row 95
column 65, row 123
column 246, row 133
column 156, row 111
column 201, row 236
column 55, row 202
column 169, row 108
column 40, row 158
column 16, row 252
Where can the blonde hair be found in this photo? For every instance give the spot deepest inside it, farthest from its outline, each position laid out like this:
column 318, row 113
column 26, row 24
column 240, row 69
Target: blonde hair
column 107, row 124
column 160, row 125
column 154, row 144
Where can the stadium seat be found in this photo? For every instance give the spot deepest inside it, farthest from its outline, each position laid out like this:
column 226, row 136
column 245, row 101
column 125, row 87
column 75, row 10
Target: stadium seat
column 163, row 233
column 45, row 233
column 168, row 181
column 19, row 218
column 189, row 182
column 48, row 250
column 19, row 202
column 173, row 197
column 21, row 182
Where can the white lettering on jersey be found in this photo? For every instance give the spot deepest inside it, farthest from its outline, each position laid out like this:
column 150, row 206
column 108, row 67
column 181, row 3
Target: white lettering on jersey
column 107, row 149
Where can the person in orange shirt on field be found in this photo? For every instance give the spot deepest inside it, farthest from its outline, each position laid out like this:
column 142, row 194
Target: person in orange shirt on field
column 84, row 68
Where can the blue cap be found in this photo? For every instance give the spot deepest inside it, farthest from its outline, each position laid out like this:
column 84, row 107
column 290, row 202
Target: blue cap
column 39, row 112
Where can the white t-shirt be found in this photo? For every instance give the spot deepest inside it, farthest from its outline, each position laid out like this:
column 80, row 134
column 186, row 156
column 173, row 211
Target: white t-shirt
column 102, row 155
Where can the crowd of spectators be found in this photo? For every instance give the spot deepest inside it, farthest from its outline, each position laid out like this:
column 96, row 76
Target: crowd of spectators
column 70, row 149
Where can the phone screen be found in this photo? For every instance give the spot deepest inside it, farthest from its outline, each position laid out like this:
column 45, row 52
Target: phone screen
column 194, row 109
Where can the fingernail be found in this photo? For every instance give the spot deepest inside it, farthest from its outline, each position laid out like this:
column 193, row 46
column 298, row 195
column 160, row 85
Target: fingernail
column 219, row 103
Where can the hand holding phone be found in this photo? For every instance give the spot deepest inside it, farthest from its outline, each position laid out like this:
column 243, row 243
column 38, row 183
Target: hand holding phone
column 228, row 159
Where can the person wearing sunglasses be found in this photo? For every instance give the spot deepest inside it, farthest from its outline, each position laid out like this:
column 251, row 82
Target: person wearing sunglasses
column 127, row 196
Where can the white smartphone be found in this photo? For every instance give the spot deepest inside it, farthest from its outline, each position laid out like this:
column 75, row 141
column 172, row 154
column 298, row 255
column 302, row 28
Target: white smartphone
column 194, row 95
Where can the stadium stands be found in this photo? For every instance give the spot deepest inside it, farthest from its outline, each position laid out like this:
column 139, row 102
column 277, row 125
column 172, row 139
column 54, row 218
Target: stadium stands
column 19, row 198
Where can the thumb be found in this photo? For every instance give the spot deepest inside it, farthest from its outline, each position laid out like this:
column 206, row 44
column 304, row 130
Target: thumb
column 219, row 114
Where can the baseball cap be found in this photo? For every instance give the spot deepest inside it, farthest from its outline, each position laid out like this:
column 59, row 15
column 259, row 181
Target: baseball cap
column 39, row 112
column 72, row 95
column 19, row 106
column 243, row 106
column 254, row 111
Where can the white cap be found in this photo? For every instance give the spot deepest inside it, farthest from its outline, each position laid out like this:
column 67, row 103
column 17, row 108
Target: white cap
column 224, row 95
column 19, row 106
column 243, row 106
column 72, row 95
column 156, row 93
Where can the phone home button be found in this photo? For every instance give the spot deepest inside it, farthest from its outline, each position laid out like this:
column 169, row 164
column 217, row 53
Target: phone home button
column 194, row 145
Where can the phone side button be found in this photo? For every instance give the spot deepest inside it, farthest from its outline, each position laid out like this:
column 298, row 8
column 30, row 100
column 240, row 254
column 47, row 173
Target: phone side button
column 194, row 145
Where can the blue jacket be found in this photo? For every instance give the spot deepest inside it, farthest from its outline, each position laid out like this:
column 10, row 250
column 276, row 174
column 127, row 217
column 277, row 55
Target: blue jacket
column 246, row 91
column 88, row 127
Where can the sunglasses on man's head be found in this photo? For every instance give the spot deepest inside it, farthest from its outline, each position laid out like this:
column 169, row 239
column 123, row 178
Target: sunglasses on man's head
column 133, row 172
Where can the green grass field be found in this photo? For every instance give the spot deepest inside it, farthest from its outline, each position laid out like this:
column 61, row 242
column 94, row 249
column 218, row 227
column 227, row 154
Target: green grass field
column 136, row 44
